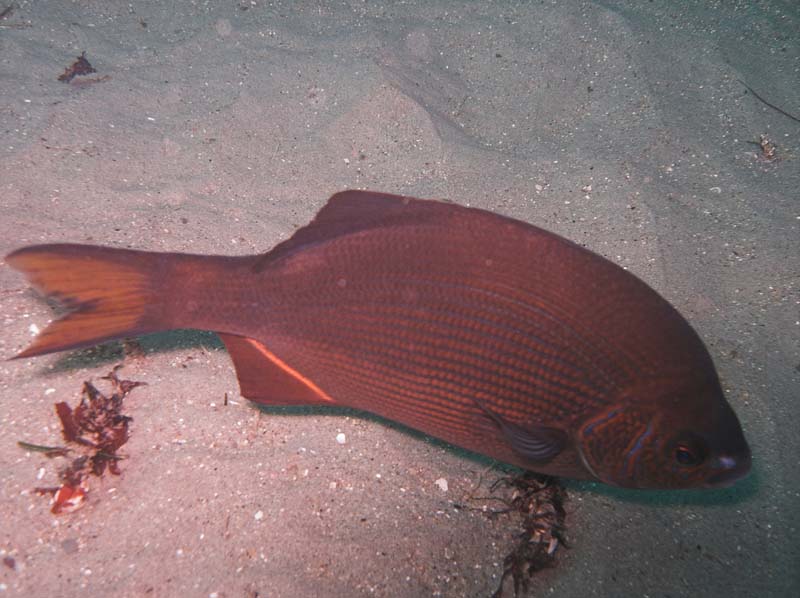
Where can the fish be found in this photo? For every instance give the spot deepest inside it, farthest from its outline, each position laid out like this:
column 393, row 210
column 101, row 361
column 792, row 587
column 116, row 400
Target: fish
column 484, row 331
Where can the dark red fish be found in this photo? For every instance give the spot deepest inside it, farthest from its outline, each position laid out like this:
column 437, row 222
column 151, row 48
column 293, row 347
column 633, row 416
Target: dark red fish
column 484, row 331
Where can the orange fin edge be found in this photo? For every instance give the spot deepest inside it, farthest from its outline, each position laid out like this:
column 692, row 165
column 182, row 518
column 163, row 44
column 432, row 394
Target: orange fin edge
column 265, row 378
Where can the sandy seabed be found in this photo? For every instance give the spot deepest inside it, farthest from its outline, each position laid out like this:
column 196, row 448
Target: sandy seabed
column 221, row 127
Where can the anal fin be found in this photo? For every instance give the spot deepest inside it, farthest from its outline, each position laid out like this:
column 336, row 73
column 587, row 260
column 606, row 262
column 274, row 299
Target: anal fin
column 264, row 378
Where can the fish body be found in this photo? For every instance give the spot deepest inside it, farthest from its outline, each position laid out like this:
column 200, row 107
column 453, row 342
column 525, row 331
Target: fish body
column 484, row 331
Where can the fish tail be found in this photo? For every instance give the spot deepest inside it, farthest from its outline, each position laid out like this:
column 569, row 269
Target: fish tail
column 109, row 293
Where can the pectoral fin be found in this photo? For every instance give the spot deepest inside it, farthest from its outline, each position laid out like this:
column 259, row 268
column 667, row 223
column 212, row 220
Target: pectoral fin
column 537, row 443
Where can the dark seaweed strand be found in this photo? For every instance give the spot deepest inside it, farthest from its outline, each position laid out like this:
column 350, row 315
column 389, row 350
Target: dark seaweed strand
column 773, row 106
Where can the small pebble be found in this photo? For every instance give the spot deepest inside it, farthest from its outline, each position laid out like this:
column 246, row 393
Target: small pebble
column 442, row 483
column 341, row 438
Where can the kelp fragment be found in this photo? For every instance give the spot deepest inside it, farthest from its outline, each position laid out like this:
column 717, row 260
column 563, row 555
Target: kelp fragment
column 93, row 431
column 81, row 66
column 535, row 502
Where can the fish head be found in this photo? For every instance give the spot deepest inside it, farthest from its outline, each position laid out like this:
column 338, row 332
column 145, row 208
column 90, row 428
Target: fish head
column 666, row 435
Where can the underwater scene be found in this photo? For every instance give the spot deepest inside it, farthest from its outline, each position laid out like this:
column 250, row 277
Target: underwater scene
column 402, row 299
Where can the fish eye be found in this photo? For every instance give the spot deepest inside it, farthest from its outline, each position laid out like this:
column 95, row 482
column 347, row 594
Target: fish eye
column 689, row 451
column 685, row 455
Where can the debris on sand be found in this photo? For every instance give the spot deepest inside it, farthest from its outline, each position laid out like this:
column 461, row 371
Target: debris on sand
column 81, row 67
column 769, row 150
column 536, row 503
column 93, row 432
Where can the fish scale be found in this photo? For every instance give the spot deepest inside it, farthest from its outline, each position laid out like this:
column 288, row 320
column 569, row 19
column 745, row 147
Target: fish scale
column 450, row 357
column 366, row 306
column 520, row 306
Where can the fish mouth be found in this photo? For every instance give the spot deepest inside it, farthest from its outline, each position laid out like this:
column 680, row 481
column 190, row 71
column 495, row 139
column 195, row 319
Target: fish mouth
column 729, row 470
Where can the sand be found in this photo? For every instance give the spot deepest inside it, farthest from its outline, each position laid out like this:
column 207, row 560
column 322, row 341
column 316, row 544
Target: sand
column 221, row 127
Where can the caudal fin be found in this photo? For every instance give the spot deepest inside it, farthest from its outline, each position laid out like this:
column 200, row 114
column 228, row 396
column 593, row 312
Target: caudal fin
column 109, row 293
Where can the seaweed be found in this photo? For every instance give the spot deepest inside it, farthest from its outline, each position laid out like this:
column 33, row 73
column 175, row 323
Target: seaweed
column 93, row 431
column 538, row 502
column 766, row 103
column 769, row 151
column 81, row 66
column 5, row 17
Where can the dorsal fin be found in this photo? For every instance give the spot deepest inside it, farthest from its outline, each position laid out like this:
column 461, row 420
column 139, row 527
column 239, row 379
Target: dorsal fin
column 352, row 211
column 264, row 378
